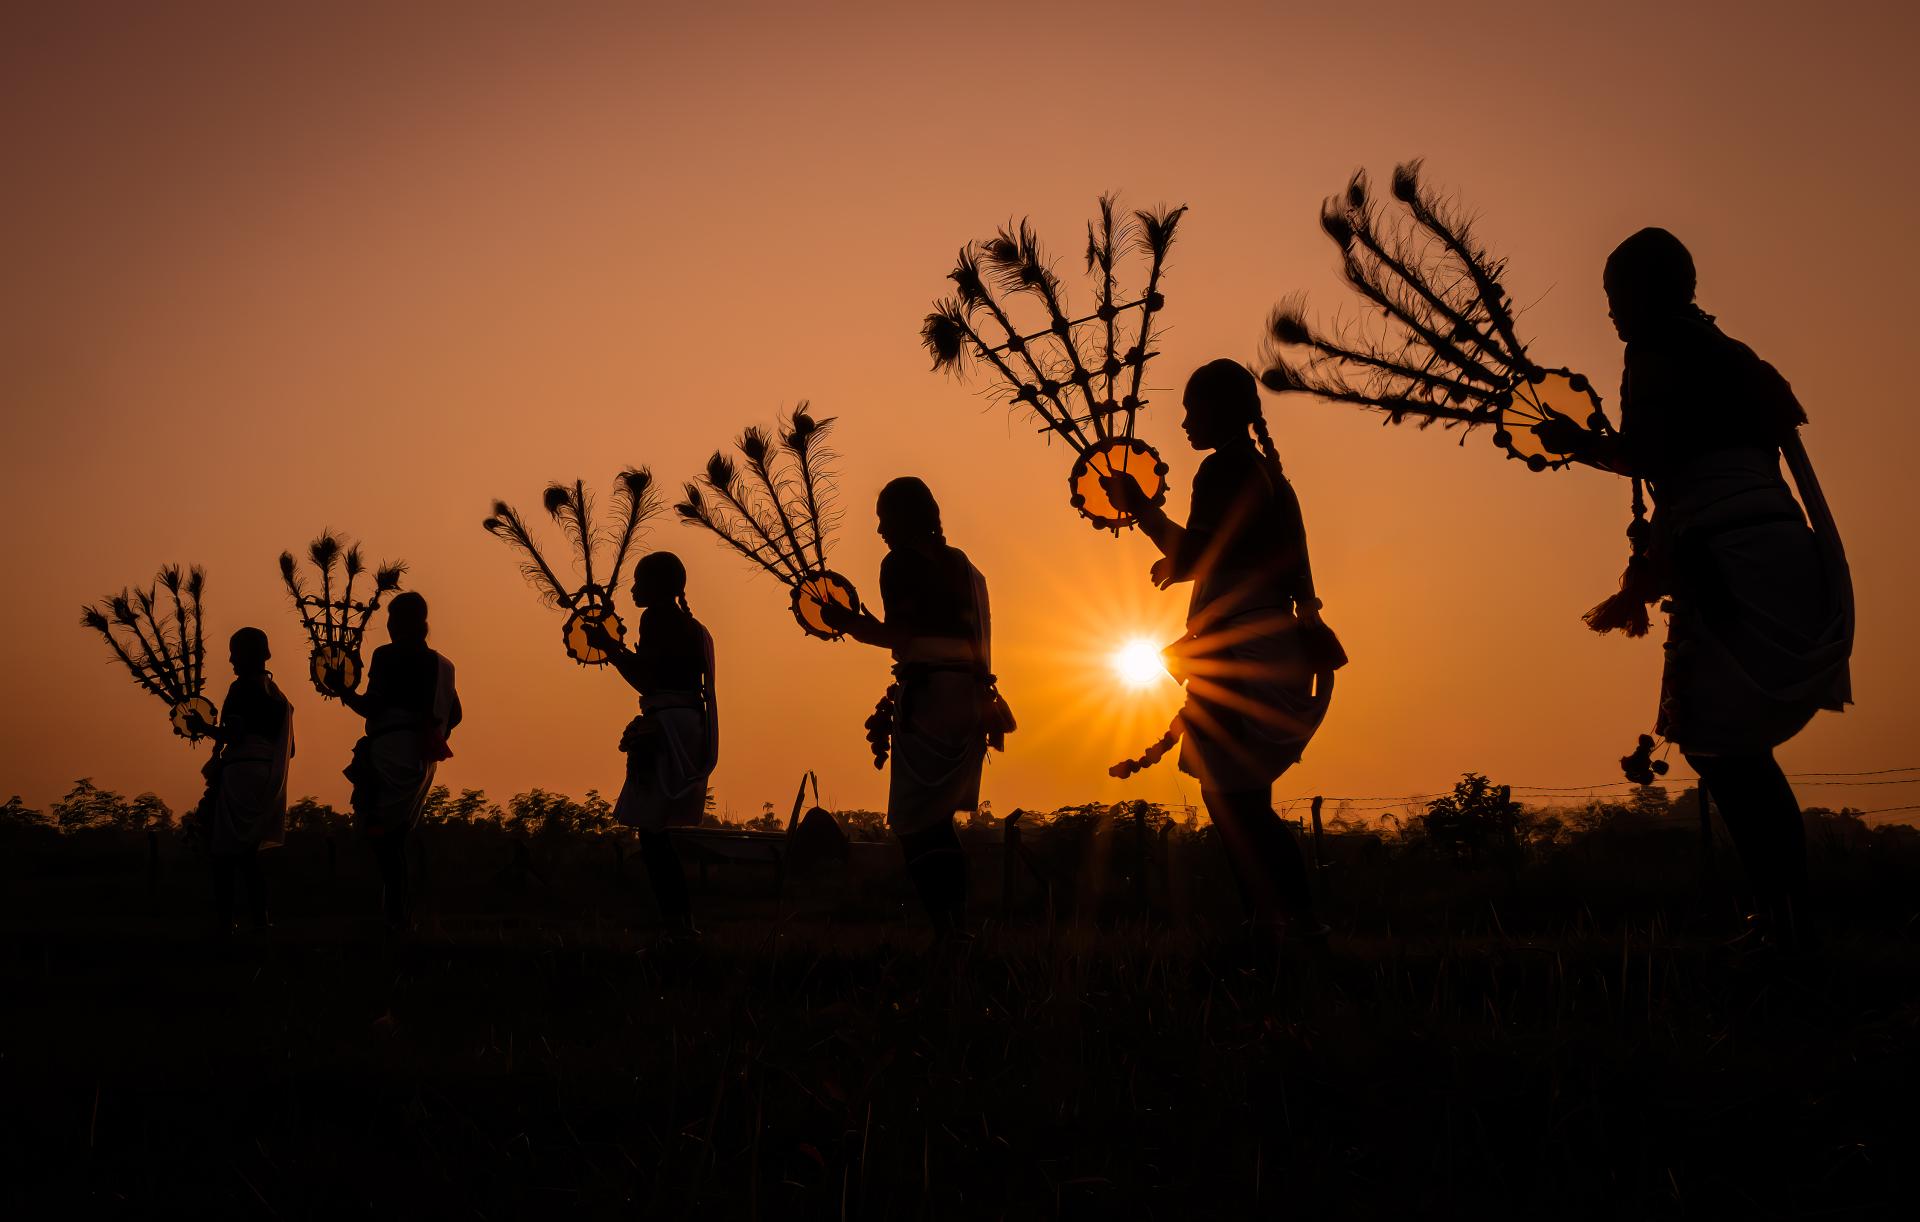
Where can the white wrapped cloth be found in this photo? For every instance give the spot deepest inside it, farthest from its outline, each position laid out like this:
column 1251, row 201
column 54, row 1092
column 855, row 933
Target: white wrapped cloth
column 941, row 699
column 672, row 749
column 401, row 756
column 249, row 796
column 1761, row 625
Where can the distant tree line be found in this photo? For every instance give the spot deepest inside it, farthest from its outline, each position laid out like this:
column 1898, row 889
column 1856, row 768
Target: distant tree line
column 1477, row 824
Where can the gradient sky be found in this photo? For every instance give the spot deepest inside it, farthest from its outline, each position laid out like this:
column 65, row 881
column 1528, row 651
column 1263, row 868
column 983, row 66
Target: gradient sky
column 272, row 268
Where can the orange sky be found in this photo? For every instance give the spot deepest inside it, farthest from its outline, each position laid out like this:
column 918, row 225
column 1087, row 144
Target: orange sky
column 370, row 267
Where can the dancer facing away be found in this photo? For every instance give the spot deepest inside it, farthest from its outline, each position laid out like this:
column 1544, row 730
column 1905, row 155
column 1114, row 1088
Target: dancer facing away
column 945, row 707
column 411, row 707
column 1761, row 605
column 245, row 807
column 673, row 745
column 1254, row 638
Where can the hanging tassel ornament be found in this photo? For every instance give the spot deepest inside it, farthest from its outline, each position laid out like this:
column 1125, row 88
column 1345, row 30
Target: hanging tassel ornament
column 1154, row 753
column 1639, row 765
column 879, row 727
column 1626, row 611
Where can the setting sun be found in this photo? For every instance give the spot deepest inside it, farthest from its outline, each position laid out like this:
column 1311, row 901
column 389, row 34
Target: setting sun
column 1138, row 663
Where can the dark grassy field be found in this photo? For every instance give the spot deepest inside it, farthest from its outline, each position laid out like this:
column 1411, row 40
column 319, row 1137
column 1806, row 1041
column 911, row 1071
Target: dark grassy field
column 1557, row 1037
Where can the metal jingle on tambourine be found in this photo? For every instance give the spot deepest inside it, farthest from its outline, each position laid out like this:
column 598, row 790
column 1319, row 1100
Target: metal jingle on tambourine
column 813, row 592
column 573, row 634
column 178, row 716
column 1536, row 398
column 1114, row 456
column 334, row 668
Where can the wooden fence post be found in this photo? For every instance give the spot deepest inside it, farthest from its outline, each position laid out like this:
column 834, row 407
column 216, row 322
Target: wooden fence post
column 1319, row 858
column 1142, row 894
column 1706, row 828
column 1009, row 850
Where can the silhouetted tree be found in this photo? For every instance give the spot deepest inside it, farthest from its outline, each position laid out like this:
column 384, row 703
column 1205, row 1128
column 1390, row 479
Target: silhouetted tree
column 1478, row 817
column 310, row 814
column 87, row 807
column 539, row 813
column 593, row 815
column 864, row 824
column 768, row 820
column 1651, row 802
column 16, row 813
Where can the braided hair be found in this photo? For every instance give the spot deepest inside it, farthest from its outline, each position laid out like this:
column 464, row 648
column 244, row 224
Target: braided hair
column 1265, row 438
column 1230, row 390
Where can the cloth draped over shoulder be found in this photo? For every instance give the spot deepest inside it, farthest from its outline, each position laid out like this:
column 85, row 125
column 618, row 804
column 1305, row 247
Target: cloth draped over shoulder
column 247, row 779
column 1258, row 678
column 1760, row 627
column 673, row 747
column 413, row 707
column 942, row 685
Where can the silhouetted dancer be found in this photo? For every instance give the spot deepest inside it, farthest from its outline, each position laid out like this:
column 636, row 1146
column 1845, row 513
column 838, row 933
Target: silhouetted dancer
column 411, row 708
column 1761, row 605
column 245, row 806
column 673, row 745
column 1254, row 641
column 946, row 710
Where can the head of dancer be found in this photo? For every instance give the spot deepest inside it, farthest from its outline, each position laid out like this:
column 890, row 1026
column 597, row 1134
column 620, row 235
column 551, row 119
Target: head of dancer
column 1223, row 403
column 1649, row 281
column 407, row 619
column 247, row 650
column 909, row 516
column 660, row 580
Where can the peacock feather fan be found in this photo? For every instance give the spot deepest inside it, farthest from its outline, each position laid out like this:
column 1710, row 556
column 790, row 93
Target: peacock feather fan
column 590, row 604
column 162, row 644
column 1442, row 345
column 1080, row 373
column 774, row 506
column 335, row 618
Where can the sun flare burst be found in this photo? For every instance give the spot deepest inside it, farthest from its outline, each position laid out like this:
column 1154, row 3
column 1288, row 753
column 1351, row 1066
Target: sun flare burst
column 1137, row 663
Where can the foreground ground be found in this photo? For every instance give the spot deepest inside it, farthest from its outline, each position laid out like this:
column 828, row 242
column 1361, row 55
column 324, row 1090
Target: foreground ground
column 1467, row 1044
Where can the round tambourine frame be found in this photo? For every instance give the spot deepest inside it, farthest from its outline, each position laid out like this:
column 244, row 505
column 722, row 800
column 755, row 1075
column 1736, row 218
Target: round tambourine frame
column 1536, row 398
column 812, row 592
column 1114, row 456
column 335, row 668
column 592, row 607
column 178, row 716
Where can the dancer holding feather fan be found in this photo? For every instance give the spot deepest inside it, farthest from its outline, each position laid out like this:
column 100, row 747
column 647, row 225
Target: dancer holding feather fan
column 411, row 708
column 1257, row 660
column 673, row 746
column 244, row 809
column 944, row 709
column 1759, row 594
